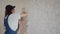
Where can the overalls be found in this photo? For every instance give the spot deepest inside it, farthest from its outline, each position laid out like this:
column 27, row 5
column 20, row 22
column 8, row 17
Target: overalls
column 7, row 28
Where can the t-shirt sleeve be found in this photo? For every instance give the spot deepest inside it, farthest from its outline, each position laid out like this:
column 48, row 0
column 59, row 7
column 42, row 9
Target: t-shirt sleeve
column 19, row 16
column 13, row 21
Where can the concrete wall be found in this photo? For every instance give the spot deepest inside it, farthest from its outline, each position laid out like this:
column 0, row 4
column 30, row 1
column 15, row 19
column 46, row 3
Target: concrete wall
column 44, row 15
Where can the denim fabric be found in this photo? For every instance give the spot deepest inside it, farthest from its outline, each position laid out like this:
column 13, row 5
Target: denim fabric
column 7, row 28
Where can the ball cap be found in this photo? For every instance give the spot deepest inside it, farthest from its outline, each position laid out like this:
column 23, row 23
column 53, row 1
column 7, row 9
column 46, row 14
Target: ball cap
column 9, row 7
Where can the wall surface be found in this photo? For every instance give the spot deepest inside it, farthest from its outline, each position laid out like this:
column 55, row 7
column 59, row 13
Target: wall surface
column 43, row 18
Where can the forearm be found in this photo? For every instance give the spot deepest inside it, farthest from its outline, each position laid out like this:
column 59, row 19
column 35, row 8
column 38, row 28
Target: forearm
column 19, row 24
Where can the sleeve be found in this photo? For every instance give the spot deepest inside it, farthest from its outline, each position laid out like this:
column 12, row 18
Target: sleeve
column 13, row 21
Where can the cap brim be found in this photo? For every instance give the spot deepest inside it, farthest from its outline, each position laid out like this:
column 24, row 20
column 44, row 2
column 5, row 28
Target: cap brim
column 13, row 7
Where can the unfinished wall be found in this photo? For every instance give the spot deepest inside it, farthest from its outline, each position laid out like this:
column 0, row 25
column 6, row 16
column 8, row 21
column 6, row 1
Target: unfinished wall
column 44, row 15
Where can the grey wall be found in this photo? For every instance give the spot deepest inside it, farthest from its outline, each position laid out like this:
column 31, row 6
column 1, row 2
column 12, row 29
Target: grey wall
column 44, row 15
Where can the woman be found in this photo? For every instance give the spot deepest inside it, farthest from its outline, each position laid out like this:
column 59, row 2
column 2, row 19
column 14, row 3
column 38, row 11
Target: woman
column 9, row 9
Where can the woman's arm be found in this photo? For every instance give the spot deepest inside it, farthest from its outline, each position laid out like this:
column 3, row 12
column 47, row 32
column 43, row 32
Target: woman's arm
column 24, row 14
column 19, row 23
column 21, row 20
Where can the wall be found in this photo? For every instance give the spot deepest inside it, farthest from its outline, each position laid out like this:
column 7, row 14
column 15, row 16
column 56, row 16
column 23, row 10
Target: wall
column 44, row 15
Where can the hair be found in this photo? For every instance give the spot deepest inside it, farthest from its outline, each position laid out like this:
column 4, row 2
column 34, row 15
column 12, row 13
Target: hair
column 8, row 12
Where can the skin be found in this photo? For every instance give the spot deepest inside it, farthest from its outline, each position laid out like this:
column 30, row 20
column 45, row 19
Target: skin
column 13, row 11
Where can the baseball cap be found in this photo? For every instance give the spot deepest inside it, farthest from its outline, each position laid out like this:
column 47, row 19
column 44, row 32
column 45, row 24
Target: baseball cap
column 9, row 7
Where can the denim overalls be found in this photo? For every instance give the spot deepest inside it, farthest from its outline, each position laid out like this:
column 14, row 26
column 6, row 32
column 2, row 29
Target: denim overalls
column 7, row 28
